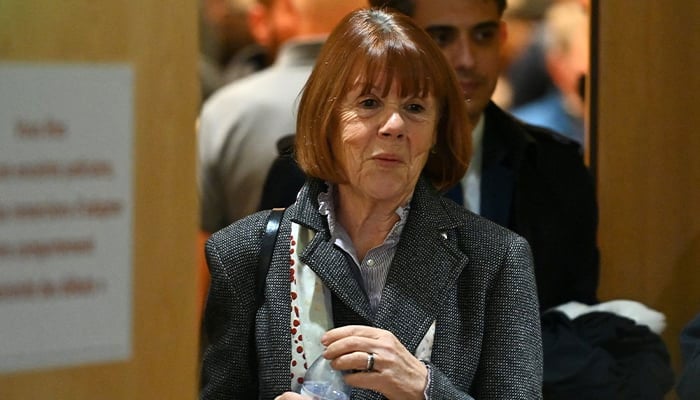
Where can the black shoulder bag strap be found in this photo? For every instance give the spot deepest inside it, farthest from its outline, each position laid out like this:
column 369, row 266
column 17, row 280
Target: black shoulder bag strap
column 268, row 245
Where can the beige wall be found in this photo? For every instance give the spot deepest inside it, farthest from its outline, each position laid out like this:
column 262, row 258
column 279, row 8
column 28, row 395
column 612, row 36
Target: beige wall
column 648, row 156
column 158, row 38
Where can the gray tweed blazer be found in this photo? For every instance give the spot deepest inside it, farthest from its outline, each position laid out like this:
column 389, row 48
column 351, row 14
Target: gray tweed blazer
column 471, row 276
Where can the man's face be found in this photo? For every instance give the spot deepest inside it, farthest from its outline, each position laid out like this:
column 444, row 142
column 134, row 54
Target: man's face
column 471, row 34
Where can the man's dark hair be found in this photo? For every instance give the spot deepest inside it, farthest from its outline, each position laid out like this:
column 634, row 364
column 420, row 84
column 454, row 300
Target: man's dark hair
column 408, row 7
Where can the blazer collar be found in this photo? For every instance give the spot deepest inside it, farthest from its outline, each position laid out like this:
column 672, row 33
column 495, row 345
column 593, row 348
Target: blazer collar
column 322, row 256
column 427, row 262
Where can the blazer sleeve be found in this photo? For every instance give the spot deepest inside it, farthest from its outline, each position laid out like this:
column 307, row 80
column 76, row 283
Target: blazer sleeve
column 229, row 364
column 511, row 356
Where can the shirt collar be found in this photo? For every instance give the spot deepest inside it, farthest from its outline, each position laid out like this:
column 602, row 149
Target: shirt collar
column 326, row 206
column 478, row 134
column 299, row 53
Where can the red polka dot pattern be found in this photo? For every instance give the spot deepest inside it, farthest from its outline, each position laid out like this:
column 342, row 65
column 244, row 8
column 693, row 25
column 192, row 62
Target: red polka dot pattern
column 298, row 363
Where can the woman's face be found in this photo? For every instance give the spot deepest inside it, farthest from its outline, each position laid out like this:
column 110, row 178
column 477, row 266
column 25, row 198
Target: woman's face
column 385, row 140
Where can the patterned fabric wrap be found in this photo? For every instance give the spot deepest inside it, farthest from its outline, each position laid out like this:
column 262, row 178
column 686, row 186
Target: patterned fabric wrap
column 311, row 311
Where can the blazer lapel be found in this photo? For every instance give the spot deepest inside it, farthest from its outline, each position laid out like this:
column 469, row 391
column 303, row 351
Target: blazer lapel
column 332, row 266
column 502, row 153
column 327, row 261
column 426, row 265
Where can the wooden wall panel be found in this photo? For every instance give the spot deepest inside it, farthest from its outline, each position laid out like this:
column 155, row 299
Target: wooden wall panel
column 648, row 120
column 159, row 39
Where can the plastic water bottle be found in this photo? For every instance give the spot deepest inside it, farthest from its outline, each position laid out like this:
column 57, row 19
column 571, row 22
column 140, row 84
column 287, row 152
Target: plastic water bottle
column 322, row 382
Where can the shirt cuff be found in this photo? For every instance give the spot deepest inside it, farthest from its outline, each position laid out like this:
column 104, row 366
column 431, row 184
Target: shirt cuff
column 428, row 380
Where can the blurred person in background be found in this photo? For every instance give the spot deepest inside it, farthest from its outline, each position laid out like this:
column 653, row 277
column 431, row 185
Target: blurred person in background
column 240, row 123
column 524, row 77
column 566, row 48
column 228, row 49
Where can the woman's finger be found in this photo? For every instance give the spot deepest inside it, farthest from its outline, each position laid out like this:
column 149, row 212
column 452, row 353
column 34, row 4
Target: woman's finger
column 350, row 330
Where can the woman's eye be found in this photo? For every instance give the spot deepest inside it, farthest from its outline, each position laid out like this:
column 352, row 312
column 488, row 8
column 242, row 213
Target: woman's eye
column 369, row 103
column 415, row 108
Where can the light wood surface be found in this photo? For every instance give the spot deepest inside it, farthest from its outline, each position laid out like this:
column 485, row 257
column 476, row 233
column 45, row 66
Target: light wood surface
column 648, row 164
column 158, row 39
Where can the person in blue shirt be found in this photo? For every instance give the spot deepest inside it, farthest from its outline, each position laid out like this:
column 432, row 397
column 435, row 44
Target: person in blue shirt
column 565, row 40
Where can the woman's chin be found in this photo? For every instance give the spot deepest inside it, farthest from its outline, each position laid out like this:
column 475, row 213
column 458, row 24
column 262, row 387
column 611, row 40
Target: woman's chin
column 389, row 191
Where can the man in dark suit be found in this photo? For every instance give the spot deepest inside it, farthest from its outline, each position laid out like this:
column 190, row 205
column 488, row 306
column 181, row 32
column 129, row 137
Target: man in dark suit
column 528, row 179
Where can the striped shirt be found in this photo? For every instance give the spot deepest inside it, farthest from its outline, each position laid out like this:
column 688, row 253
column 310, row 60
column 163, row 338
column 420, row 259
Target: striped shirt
column 374, row 268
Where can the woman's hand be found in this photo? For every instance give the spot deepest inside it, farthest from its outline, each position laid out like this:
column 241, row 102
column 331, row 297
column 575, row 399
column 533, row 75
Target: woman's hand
column 396, row 373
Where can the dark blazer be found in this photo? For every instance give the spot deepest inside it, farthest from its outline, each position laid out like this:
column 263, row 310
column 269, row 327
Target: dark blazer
column 533, row 182
column 471, row 276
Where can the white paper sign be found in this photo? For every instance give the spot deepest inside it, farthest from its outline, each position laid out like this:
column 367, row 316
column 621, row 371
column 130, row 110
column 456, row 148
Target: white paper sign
column 66, row 137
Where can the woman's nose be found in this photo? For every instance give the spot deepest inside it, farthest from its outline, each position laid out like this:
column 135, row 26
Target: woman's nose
column 394, row 126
